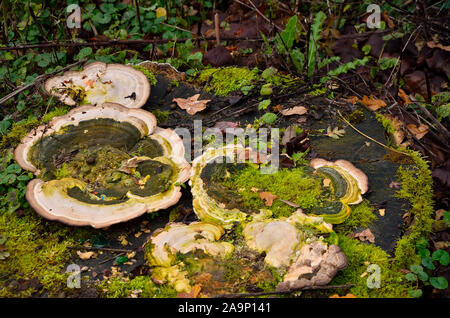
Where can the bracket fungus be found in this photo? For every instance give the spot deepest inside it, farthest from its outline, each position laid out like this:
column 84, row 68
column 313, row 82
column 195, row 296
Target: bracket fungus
column 348, row 183
column 101, row 165
column 205, row 206
column 165, row 244
column 99, row 83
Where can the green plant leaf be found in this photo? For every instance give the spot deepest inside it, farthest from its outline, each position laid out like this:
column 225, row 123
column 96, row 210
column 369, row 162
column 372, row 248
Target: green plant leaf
column 428, row 263
column 288, row 34
column 314, row 38
column 416, row 268
column 411, row 277
column 439, row 282
column 269, row 118
column 264, row 104
column 442, row 256
column 416, row 293
column 84, row 52
column 121, row 259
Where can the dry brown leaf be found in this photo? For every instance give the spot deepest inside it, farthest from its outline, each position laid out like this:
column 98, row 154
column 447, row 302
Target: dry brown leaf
column 394, row 185
column 439, row 214
column 365, row 235
column 195, row 290
column 267, row 197
column 289, row 133
column 388, row 20
column 418, row 131
column 326, row 182
column 432, row 45
column 297, row 110
column 86, row 255
column 254, row 189
column 352, row 99
column 346, row 296
column 191, row 104
column 372, row 103
column 404, row 96
column 441, row 245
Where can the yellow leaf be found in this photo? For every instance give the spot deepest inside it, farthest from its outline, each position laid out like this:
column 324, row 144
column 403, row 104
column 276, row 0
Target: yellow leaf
column 161, row 12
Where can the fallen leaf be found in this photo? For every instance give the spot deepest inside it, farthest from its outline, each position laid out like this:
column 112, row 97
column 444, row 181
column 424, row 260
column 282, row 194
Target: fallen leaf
column 289, row 133
column 161, row 12
column 351, row 99
column 363, row 274
column 123, row 240
column 394, row 185
column 297, row 110
column 432, row 45
column 335, row 133
column 418, row 131
column 192, row 294
column 326, row 182
column 89, row 83
column 388, row 20
column 86, row 255
column 441, row 245
column 254, row 189
column 267, row 197
column 192, row 105
column 439, row 214
column 404, row 96
column 382, row 211
column 346, row 296
column 223, row 125
column 372, row 103
column 365, row 235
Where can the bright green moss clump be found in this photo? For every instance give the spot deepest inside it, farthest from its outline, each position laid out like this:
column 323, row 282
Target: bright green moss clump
column 416, row 188
column 223, row 81
column 292, row 185
column 151, row 77
column 21, row 128
column 359, row 256
column 36, row 251
column 361, row 216
column 142, row 286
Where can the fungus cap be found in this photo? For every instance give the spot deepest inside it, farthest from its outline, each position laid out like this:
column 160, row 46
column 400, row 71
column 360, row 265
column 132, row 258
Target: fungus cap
column 86, row 131
column 98, row 83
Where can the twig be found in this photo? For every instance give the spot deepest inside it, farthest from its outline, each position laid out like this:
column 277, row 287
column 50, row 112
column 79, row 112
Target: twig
column 310, row 288
column 216, row 28
column 370, row 138
column 116, row 42
column 106, row 249
column 138, row 15
column 111, row 258
column 38, row 80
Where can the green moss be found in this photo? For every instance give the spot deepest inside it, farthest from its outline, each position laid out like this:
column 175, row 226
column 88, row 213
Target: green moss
column 151, row 77
column 21, row 128
column 387, row 125
column 318, row 91
column 292, row 185
column 362, row 215
column 417, row 189
column 356, row 117
column 223, row 81
column 37, row 250
column 359, row 256
column 117, row 287
column 161, row 116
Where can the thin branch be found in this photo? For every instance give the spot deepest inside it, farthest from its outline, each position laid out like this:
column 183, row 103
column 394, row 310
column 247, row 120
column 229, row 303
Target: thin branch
column 116, row 42
column 370, row 138
column 106, row 249
column 38, row 80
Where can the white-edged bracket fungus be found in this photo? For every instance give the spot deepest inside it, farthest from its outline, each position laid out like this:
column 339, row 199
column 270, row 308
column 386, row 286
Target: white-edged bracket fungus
column 207, row 208
column 101, row 165
column 348, row 184
column 166, row 243
column 99, row 83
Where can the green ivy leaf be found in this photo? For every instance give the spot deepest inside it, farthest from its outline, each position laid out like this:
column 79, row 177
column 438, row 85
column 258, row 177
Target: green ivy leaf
column 84, row 52
column 442, row 256
column 416, row 269
column 439, row 282
column 416, row 293
column 264, row 104
column 411, row 277
column 121, row 259
column 428, row 263
column 269, row 118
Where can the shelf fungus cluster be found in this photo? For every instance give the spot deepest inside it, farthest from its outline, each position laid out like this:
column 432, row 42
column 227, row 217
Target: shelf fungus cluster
column 178, row 238
column 299, row 246
column 101, row 165
column 99, row 83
